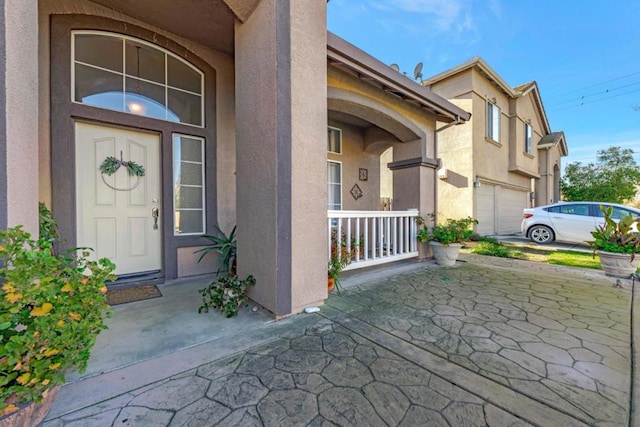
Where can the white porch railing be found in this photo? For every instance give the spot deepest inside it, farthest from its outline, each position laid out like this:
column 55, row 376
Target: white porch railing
column 373, row 237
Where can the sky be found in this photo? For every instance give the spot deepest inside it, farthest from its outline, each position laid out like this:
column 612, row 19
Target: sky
column 583, row 54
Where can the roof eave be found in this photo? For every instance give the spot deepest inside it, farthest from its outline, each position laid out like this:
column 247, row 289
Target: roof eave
column 341, row 52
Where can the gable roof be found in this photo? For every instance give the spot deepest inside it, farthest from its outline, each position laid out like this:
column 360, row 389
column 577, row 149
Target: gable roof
column 343, row 54
column 490, row 74
column 553, row 139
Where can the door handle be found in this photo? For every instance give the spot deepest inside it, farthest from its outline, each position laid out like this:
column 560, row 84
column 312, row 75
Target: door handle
column 155, row 212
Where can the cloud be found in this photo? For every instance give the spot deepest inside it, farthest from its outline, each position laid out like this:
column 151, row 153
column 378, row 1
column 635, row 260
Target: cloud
column 447, row 13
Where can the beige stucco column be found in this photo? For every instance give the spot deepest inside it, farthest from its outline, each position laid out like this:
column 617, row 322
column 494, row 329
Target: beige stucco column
column 19, row 117
column 281, row 121
column 415, row 175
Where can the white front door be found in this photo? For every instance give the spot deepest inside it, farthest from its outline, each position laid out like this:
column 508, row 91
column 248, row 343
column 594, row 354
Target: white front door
column 115, row 213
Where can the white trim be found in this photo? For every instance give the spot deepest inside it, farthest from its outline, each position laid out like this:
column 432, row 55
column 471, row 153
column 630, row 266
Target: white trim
column 494, row 126
column 341, row 195
column 176, row 136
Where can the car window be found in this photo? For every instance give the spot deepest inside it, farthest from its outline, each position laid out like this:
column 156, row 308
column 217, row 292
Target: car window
column 571, row 209
column 619, row 213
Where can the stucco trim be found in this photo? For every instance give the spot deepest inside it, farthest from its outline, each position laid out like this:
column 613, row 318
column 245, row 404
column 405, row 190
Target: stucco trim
column 341, row 52
column 368, row 109
column 415, row 162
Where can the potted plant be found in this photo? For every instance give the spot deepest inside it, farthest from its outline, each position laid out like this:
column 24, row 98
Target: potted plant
column 338, row 261
column 51, row 310
column 446, row 239
column 617, row 243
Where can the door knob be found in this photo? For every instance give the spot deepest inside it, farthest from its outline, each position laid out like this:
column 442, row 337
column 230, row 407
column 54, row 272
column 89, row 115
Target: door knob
column 155, row 213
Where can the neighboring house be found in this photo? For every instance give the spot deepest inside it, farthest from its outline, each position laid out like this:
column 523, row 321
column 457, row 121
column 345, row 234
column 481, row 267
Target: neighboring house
column 226, row 104
column 505, row 159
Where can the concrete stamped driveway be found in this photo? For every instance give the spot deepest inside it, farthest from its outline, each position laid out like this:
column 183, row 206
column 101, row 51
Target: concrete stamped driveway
column 463, row 346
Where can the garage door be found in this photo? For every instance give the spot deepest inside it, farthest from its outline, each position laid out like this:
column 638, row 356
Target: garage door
column 485, row 209
column 510, row 205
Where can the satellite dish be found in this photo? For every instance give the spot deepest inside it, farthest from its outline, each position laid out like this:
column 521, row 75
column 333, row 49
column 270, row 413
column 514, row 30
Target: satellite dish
column 417, row 72
column 395, row 67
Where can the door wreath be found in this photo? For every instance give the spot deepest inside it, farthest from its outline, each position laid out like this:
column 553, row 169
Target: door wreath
column 110, row 165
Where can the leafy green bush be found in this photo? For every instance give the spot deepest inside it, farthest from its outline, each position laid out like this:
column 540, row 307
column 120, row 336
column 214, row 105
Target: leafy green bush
column 48, row 227
column 51, row 310
column 618, row 237
column 226, row 293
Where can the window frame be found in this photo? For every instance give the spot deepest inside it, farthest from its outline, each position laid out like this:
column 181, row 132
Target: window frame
column 493, row 122
column 339, row 133
column 339, row 163
column 166, row 87
column 528, row 138
column 176, row 137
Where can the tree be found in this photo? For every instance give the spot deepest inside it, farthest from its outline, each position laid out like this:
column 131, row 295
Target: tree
column 613, row 178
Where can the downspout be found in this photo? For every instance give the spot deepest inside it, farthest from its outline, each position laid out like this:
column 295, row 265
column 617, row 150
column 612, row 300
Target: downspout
column 458, row 121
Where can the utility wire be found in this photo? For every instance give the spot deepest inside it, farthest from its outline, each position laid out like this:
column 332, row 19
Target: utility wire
column 592, row 85
column 595, row 100
column 583, row 97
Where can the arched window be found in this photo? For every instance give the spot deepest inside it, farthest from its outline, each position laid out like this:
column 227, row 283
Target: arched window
column 125, row 74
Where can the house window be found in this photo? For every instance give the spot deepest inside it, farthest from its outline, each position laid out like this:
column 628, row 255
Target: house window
column 527, row 138
column 493, row 122
column 334, row 185
column 334, row 141
column 126, row 74
column 188, row 185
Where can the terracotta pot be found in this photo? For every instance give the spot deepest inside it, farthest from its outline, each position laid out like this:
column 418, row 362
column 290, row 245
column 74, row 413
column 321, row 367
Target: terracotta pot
column 31, row 414
column 331, row 283
column 445, row 255
column 618, row 265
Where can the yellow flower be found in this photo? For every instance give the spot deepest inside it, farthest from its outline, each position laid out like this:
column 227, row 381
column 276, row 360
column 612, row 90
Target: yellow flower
column 103, row 290
column 12, row 297
column 61, row 323
column 74, row 316
column 42, row 310
column 24, row 378
column 67, row 288
column 51, row 352
column 45, row 382
column 8, row 287
column 54, row 366
column 9, row 409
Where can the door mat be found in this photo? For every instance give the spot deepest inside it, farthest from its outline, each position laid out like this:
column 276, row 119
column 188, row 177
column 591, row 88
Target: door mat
column 136, row 293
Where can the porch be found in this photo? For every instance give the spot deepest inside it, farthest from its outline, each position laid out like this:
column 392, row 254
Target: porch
column 372, row 237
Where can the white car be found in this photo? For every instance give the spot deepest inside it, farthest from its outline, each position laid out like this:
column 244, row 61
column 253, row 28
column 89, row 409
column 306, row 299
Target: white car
column 568, row 221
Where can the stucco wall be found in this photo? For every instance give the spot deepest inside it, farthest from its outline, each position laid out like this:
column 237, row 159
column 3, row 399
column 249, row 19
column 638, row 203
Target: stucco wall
column 20, row 93
column 455, row 149
column 353, row 158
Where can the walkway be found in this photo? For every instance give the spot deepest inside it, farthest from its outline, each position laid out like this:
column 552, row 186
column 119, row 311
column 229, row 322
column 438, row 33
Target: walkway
column 488, row 342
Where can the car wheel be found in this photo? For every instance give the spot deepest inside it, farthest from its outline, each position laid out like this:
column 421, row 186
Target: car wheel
column 541, row 234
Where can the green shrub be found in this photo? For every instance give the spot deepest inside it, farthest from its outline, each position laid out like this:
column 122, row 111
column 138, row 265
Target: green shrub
column 226, row 293
column 51, row 310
